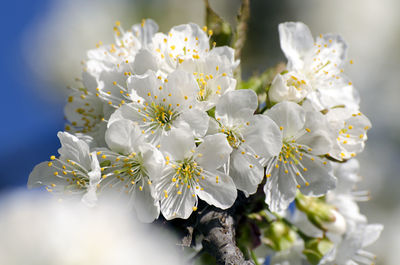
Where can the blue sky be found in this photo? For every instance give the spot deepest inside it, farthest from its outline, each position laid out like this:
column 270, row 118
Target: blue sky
column 28, row 122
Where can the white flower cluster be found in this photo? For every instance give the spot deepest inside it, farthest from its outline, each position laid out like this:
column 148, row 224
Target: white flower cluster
column 158, row 119
column 348, row 233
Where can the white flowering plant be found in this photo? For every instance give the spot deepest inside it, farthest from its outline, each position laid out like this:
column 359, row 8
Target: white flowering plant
column 165, row 121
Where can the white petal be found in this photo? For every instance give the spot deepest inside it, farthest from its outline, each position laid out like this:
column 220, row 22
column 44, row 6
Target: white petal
column 126, row 112
column 197, row 119
column 289, row 116
column 175, row 205
column 145, row 31
column 90, row 198
column 43, row 175
column 246, row 171
column 263, row 136
column 296, row 40
column 123, row 136
column 74, row 149
column 236, row 106
column 213, row 152
column 196, row 38
column 318, row 137
column 221, row 193
column 318, row 175
column 334, row 42
column 144, row 61
column 280, row 189
column 183, row 89
column 145, row 84
column 178, row 144
column 146, row 205
column 153, row 161
column 371, row 233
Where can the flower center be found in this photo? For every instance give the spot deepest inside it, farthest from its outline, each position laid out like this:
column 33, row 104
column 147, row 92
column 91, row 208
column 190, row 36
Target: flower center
column 73, row 173
column 129, row 169
column 234, row 139
column 187, row 170
column 296, row 83
column 204, row 92
column 162, row 116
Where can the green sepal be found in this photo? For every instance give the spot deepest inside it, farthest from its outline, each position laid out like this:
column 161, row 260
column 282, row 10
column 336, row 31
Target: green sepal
column 315, row 249
column 211, row 112
column 105, row 163
column 316, row 209
column 279, row 236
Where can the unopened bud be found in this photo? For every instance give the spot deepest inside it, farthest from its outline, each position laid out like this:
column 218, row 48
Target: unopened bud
column 279, row 236
column 321, row 214
column 316, row 248
column 338, row 226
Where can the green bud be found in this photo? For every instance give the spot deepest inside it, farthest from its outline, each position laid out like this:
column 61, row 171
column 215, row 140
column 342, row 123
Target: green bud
column 279, row 236
column 316, row 248
column 318, row 212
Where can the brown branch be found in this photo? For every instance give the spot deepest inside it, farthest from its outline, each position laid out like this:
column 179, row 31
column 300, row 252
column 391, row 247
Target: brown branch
column 241, row 34
column 241, row 28
column 218, row 228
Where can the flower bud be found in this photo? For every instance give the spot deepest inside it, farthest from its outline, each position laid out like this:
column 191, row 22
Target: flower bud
column 279, row 236
column 321, row 214
column 316, row 248
column 338, row 226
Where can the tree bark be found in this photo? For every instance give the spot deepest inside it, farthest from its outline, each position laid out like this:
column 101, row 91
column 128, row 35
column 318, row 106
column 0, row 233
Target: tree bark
column 218, row 228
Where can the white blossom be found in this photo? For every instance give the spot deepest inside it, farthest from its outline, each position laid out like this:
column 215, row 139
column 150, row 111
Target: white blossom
column 163, row 105
column 131, row 167
column 290, row 86
column 254, row 138
column 186, row 47
column 350, row 129
column 298, row 165
column 76, row 172
column 321, row 62
column 350, row 249
column 192, row 172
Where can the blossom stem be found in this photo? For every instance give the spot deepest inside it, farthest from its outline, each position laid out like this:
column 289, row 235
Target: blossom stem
column 241, row 34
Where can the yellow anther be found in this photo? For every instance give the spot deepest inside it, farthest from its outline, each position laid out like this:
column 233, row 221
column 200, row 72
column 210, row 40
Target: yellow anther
column 52, row 157
column 49, row 164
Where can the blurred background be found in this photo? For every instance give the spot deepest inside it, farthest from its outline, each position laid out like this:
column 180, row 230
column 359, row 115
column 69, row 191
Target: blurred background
column 44, row 41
